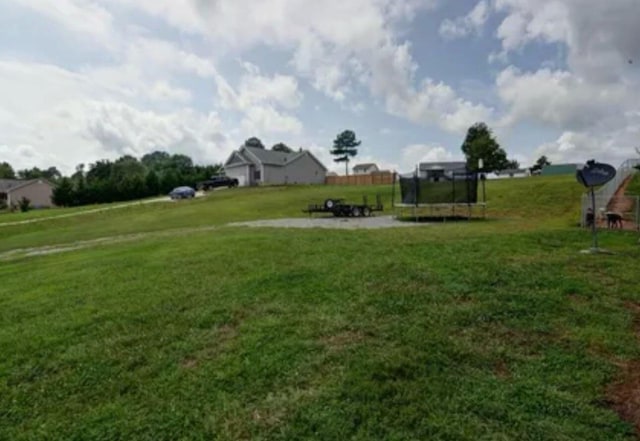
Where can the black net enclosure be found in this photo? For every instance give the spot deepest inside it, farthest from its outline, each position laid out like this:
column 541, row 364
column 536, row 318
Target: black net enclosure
column 456, row 187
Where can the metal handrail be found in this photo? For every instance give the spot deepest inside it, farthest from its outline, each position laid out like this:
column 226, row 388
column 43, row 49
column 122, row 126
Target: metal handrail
column 604, row 194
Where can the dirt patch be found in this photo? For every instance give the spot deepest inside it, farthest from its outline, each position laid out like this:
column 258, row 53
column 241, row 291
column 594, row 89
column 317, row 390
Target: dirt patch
column 341, row 341
column 376, row 222
column 220, row 338
column 624, row 393
column 189, row 363
column 501, row 370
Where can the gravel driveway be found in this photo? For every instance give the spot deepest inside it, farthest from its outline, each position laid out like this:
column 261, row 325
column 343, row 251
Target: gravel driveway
column 367, row 223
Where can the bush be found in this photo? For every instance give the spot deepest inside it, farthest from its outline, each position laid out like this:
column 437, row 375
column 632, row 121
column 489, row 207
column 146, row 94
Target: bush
column 24, row 204
column 3, row 204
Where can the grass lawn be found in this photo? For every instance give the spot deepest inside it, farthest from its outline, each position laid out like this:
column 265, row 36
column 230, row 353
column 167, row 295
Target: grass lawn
column 495, row 330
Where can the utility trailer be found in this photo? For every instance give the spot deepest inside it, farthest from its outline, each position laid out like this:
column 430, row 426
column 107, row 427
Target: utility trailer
column 340, row 208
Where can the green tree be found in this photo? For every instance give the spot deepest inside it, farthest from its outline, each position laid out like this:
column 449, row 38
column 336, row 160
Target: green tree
column 345, row 147
column 513, row 164
column 481, row 144
column 541, row 163
column 52, row 173
column 30, row 173
column 156, row 160
column 63, row 193
column 254, row 142
column 281, row 147
column 6, row 171
column 152, row 183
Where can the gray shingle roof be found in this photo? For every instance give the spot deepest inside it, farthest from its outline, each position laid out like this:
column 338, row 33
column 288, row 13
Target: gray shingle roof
column 8, row 184
column 270, row 157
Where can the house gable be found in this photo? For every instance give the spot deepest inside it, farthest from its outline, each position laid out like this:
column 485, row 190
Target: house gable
column 310, row 155
column 236, row 159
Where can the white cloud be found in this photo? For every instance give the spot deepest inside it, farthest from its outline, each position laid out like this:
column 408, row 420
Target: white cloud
column 558, row 98
column 337, row 45
column 163, row 91
column 72, row 117
column 593, row 99
column 473, row 22
column 414, row 154
column 261, row 98
column 600, row 36
column 79, row 16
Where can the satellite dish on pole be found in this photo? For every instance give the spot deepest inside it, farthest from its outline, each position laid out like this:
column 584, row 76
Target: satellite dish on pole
column 594, row 174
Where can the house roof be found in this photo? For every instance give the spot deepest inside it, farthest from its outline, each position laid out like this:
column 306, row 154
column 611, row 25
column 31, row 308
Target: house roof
column 270, row 157
column 253, row 155
column 7, row 185
column 452, row 165
column 365, row 166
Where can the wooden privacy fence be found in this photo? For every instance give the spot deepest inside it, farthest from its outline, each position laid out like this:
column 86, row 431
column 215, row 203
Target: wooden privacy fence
column 376, row 178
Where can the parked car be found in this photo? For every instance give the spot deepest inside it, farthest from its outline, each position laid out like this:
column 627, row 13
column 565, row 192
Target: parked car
column 217, row 181
column 182, row 193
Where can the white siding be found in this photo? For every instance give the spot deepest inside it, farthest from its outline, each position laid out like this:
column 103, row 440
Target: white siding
column 274, row 175
column 38, row 192
column 304, row 170
column 240, row 173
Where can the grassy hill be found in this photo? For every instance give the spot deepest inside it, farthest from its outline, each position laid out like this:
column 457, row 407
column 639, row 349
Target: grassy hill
column 491, row 330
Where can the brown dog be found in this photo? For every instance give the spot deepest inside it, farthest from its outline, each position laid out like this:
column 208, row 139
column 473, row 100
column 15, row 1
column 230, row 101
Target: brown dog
column 614, row 220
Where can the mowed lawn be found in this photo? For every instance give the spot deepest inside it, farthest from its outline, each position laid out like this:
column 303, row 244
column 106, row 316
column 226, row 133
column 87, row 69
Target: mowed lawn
column 485, row 330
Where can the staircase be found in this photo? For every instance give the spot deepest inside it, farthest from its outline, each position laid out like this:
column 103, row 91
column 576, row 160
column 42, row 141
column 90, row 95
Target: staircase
column 607, row 192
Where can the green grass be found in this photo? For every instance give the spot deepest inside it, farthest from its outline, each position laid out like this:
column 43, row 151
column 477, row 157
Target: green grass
column 554, row 200
column 496, row 330
column 634, row 187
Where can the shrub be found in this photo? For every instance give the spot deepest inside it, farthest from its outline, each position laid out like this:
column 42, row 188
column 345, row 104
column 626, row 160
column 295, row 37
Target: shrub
column 24, row 204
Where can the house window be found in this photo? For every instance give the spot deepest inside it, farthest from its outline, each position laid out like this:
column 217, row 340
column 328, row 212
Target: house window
column 256, row 175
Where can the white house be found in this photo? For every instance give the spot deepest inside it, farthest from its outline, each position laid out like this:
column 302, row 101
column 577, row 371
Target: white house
column 509, row 173
column 365, row 169
column 38, row 191
column 436, row 170
column 256, row 166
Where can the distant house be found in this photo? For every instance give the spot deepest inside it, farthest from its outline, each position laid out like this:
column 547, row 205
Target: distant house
column 509, row 173
column 38, row 191
column 365, row 169
column 559, row 169
column 256, row 166
column 434, row 171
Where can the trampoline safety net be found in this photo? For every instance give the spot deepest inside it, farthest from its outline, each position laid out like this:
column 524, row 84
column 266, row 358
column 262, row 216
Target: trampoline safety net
column 459, row 187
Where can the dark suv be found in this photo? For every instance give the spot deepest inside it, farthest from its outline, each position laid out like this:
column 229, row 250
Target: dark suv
column 218, row 181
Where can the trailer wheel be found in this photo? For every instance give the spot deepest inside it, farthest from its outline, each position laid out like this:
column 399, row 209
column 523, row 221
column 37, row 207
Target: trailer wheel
column 329, row 204
column 366, row 212
column 356, row 211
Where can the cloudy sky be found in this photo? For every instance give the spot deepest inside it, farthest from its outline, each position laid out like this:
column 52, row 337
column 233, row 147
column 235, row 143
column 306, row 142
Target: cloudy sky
column 82, row 80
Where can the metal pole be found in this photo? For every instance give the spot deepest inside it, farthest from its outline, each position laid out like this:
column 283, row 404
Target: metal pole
column 638, row 213
column 484, row 190
column 393, row 194
column 594, row 229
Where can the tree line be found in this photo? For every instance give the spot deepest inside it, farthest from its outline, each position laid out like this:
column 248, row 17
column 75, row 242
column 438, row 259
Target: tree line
column 126, row 178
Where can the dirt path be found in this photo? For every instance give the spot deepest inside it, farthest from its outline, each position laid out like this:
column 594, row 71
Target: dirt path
column 625, row 205
column 81, row 244
column 92, row 211
column 318, row 222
